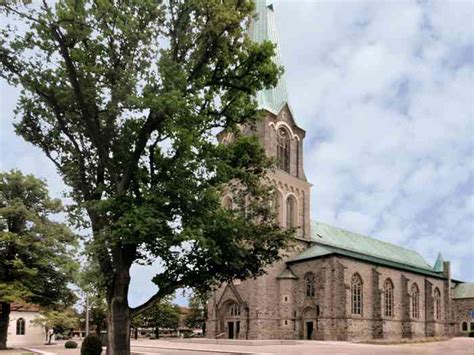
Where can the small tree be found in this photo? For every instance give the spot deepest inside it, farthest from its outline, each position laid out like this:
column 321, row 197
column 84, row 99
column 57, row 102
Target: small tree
column 163, row 314
column 197, row 314
column 57, row 322
column 124, row 97
column 35, row 251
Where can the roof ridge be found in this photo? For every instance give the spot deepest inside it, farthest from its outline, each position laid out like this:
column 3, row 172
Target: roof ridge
column 369, row 237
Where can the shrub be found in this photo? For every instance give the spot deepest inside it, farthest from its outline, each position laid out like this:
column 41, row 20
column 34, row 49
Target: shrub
column 91, row 345
column 70, row 344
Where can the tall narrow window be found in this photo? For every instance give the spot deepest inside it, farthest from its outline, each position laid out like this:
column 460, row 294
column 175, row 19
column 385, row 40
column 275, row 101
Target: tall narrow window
column 415, row 302
column 283, row 150
column 437, row 303
column 464, row 326
column 290, row 212
column 20, row 326
column 388, row 298
column 356, row 294
column 310, row 284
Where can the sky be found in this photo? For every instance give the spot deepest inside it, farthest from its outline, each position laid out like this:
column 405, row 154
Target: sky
column 385, row 92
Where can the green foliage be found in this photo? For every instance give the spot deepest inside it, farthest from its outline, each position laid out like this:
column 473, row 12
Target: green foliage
column 61, row 321
column 197, row 314
column 162, row 314
column 125, row 99
column 70, row 344
column 35, row 251
column 91, row 345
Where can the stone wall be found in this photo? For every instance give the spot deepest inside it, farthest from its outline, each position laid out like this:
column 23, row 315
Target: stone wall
column 461, row 313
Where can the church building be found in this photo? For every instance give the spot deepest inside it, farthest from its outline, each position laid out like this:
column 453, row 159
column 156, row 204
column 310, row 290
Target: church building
column 333, row 284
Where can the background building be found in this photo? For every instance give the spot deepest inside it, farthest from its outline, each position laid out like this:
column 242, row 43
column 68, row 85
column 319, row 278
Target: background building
column 21, row 329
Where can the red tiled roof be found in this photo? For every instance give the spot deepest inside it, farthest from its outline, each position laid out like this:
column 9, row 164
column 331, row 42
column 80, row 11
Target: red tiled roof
column 24, row 307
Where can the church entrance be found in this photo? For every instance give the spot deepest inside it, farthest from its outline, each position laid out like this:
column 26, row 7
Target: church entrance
column 233, row 329
column 230, row 328
column 309, row 330
column 230, row 320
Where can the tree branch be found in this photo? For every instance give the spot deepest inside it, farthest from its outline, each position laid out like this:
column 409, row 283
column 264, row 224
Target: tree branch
column 155, row 298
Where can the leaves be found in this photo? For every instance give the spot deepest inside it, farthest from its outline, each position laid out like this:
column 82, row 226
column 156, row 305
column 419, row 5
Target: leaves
column 35, row 261
column 126, row 98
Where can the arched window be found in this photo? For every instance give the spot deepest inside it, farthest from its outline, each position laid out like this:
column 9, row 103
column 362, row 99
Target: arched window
column 310, row 284
column 234, row 310
column 415, row 302
column 20, row 326
column 283, row 150
column 356, row 294
column 437, row 303
column 388, row 298
column 291, row 212
column 464, row 326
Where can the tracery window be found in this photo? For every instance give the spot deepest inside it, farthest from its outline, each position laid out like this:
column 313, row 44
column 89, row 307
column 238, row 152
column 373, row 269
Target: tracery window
column 20, row 326
column 283, row 150
column 310, row 284
column 388, row 298
column 437, row 303
column 415, row 302
column 356, row 294
column 234, row 310
column 290, row 212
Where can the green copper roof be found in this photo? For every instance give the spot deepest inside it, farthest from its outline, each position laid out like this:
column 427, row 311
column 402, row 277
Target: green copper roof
column 464, row 290
column 438, row 266
column 263, row 29
column 331, row 240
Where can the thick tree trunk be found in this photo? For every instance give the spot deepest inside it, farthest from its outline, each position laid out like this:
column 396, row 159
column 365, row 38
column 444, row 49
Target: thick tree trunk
column 119, row 316
column 4, row 319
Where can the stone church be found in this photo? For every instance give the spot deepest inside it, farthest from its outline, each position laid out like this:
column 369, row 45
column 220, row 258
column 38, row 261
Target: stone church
column 334, row 284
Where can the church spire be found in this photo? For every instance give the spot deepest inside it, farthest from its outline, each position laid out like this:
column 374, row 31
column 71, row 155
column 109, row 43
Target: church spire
column 263, row 28
column 438, row 266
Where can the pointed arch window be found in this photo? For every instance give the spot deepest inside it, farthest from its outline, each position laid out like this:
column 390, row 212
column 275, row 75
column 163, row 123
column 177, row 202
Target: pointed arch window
column 291, row 212
column 437, row 303
column 310, row 284
column 356, row 294
column 283, row 150
column 415, row 302
column 388, row 298
column 234, row 310
column 20, row 326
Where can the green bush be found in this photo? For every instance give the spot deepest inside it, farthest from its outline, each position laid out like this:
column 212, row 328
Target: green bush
column 91, row 345
column 70, row 344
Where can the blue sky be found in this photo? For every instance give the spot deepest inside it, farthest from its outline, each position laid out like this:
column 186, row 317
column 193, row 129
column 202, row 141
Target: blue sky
column 385, row 91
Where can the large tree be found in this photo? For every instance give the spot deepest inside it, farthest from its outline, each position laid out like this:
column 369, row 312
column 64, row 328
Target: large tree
column 35, row 261
column 125, row 97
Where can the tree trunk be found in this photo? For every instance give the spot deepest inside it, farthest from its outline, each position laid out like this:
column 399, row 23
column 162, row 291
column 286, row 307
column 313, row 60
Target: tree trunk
column 4, row 319
column 119, row 315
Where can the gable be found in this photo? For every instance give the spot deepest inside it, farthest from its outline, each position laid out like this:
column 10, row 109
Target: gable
column 230, row 293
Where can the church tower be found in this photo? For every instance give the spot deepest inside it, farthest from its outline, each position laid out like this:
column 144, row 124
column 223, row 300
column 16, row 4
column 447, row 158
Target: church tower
column 262, row 308
column 280, row 136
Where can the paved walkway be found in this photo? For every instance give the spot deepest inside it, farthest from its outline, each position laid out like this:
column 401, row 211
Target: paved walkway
column 456, row 346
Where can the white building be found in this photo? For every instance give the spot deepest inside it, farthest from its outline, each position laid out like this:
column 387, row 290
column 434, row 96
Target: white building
column 21, row 330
